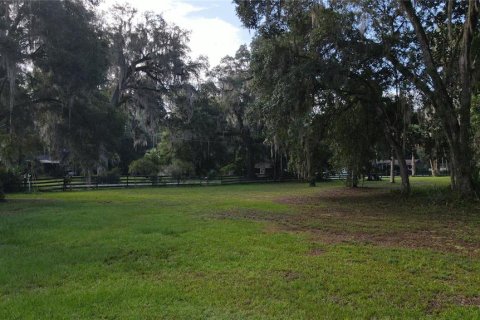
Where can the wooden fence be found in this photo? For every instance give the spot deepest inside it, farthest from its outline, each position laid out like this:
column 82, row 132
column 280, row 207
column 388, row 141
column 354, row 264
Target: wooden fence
column 95, row 182
column 102, row 182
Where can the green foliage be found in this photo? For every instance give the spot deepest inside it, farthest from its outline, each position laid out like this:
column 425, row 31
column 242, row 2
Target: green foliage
column 238, row 101
column 311, row 56
column 212, row 174
column 94, row 133
column 143, row 166
column 149, row 58
column 229, row 169
column 60, row 106
column 180, row 169
column 352, row 136
column 111, row 176
column 76, row 54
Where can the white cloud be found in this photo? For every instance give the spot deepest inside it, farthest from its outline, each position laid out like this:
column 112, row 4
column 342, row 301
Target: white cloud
column 212, row 37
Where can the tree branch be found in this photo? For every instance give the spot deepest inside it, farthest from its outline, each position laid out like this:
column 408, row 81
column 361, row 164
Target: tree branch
column 423, row 41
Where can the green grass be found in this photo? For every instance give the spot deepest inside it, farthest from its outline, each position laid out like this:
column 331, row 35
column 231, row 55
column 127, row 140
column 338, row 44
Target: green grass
column 272, row 251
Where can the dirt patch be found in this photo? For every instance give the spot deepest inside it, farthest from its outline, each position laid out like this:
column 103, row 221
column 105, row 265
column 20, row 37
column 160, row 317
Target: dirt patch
column 420, row 239
column 372, row 216
column 335, row 195
column 290, row 275
column 316, row 252
column 434, row 306
column 469, row 301
column 247, row 214
column 442, row 301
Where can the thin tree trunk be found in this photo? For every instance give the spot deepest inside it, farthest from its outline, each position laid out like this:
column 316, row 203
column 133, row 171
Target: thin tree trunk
column 70, row 105
column 405, row 187
column 392, row 169
column 354, row 179
column 432, row 168
column 250, row 159
column 414, row 166
column 451, row 171
column 88, row 177
column 11, row 74
column 310, row 176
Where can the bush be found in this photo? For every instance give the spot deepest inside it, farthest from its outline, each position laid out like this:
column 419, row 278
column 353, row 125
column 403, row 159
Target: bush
column 212, row 174
column 228, row 170
column 180, row 169
column 143, row 166
column 111, row 176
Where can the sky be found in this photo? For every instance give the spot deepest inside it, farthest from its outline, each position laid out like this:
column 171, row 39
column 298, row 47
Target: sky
column 215, row 29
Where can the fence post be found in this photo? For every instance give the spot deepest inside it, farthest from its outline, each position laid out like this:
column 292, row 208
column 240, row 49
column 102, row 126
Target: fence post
column 127, row 180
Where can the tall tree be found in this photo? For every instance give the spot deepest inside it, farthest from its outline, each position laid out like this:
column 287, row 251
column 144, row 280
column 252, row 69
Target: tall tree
column 424, row 46
column 150, row 67
column 429, row 43
column 233, row 76
column 311, row 58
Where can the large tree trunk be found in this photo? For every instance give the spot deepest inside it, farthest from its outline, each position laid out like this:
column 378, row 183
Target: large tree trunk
column 455, row 116
column 459, row 139
column 352, row 179
column 461, row 164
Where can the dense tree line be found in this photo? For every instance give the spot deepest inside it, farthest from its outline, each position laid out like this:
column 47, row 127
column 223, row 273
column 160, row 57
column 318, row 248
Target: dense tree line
column 325, row 85
column 100, row 92
column 386, row 58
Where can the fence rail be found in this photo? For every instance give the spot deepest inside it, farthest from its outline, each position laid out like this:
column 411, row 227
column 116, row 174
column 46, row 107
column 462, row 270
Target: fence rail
column 101, row 182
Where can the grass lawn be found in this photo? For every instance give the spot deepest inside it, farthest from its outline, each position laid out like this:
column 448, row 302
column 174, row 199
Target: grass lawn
column 268, row 251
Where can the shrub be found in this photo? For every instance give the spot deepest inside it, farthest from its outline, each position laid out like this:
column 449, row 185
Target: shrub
column 180, row 169
column 212, row 174
column 144, row 167
column 229, row 169
column 111, row 176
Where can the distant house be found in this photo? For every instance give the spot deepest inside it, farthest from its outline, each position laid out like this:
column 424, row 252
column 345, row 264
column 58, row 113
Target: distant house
column 263, row 169
column 45, row 159
column 421, row 167
column 47, row 165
